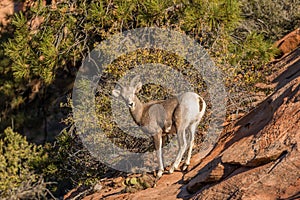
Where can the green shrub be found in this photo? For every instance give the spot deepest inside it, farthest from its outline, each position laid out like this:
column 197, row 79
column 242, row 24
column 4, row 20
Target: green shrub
column 69, row 30
column 70, row 163
column 271, row 18
column 251, row 56
column 18, row 162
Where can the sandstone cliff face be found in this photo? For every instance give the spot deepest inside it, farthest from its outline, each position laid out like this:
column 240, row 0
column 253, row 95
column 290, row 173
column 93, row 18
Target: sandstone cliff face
column 256, row 158
column 260, row 159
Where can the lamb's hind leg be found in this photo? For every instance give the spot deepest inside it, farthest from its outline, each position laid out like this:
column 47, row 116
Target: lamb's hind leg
column 182, row 147
column 191, row 132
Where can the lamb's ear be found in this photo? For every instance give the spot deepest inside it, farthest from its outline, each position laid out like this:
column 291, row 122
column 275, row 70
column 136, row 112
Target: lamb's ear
column 116, row 93
column 138, row 87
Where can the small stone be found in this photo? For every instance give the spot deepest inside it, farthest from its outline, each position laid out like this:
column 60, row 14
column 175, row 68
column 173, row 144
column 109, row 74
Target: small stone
column 98, row 187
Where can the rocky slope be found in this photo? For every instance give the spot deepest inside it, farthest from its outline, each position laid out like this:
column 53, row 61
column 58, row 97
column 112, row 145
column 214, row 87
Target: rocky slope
column 259, row 159
column 256, row 158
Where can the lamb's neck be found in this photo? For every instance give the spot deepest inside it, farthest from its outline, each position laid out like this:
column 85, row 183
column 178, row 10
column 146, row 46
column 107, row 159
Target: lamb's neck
column 137, row 112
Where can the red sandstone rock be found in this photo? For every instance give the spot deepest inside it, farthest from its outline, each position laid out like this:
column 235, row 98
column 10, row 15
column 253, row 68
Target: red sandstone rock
column 289, row 42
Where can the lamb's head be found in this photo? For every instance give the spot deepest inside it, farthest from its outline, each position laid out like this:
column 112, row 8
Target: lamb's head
column 128, row 93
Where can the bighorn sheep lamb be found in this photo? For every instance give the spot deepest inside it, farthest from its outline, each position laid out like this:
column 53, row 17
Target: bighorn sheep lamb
column 157, row 117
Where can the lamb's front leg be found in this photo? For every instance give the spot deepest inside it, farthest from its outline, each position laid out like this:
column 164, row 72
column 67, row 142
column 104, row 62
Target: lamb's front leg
column 157, row 138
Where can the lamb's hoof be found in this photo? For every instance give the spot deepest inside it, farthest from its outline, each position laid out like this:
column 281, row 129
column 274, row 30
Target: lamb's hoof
column 184, row 167
column 171, row 170
column 159, row 173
